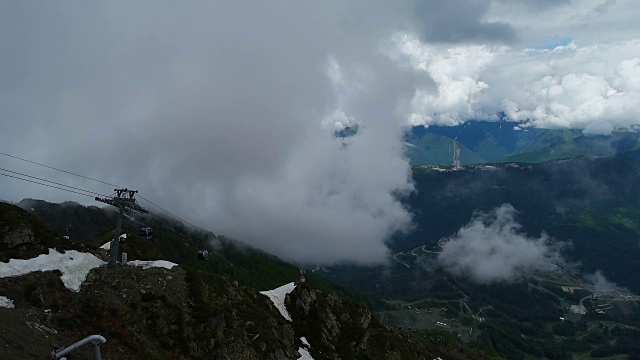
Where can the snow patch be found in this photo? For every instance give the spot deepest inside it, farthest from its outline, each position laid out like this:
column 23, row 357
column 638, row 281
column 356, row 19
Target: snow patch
column 73, row 265
column 304, row 341
column 150, row 264
column 277, row 296
column 304, row 354
column 5, row 302
column 107, row 245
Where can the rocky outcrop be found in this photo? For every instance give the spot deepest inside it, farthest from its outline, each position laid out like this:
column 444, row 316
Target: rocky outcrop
column 177, row 313
column 342, row 329
column 22, row 235
column 148, row 313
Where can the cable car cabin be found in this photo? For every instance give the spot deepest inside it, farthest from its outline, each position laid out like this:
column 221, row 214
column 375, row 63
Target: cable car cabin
column 146, row 232
column 203, row 255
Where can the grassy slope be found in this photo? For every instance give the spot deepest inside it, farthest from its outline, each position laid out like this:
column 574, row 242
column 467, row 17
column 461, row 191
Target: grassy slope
column 437, row 150
column 569, row 145
column 593, row 203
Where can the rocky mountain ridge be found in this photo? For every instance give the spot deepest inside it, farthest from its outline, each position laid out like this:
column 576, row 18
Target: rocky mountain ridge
column 180, row 313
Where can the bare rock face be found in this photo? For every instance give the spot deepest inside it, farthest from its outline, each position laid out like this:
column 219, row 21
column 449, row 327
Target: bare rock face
column 343, row 329
column 152, row 313
column 178, row 313
column 304, row 300
column 22, row 235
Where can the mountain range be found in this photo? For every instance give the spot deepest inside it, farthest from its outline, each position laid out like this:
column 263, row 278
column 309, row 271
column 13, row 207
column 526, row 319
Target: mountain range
column 564, row 233
column 535, row 259
column 199, row 309
column 482, row 142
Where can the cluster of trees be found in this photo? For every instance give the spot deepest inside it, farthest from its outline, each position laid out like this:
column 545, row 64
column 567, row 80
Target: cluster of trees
column 518, row 301
column 598, row 198
column 627, row 341
column 515, row 340
column 505, row 339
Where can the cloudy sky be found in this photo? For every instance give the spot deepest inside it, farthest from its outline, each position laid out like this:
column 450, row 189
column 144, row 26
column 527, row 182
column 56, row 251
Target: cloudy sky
column 224, row 111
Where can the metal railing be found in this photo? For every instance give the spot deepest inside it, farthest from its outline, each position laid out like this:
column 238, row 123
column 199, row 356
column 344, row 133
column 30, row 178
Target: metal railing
column 94, row 340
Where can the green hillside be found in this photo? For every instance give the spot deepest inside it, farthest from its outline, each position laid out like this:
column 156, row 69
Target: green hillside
column 566, row 145
column 593, row 204
column 438, row 150
column 551, row 137
column 176, row 242
column 201, row 309
column 590, row 203
column 483, row 142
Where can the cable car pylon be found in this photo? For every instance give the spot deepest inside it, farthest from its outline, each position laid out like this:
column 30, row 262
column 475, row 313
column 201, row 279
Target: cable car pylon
column 124, row 199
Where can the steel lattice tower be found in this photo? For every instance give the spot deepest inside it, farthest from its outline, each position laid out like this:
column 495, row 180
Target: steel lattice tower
column 124, row 199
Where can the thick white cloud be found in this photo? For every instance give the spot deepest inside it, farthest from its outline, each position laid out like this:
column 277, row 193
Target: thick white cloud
column 598, row 128
column 492, row 248
column 589, row 22
column 591, row 83
column 455, row 72
column 224, row 111
column 565, row 87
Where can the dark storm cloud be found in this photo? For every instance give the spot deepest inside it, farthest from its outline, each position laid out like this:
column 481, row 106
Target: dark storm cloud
column 223, row 112
column 537, row 4
column 460, row 21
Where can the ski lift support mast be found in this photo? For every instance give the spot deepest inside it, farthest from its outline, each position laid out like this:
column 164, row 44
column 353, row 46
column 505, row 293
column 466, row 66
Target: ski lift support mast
column 123, row 199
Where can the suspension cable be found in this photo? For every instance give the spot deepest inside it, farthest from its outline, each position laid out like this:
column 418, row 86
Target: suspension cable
column 52, row 182
column 43, row 184
column 64, row 171
column 92, row 179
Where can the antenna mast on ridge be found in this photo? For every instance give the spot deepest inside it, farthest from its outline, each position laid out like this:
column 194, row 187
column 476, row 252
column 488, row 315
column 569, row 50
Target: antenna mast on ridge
column 124, row 199
column 455, row 151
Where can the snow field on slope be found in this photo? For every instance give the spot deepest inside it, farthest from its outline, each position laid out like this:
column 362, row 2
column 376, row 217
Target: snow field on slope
column 304, row 353
column 5, row 302
column 73, row 265
column 277, row 296
column 107, row 245
column 143, row 264
column 149, row 264
column 304, row 341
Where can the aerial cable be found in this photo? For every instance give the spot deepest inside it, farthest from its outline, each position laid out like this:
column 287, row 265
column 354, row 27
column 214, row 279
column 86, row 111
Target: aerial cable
column 52, row 182
column 87, row 193
column 64, row 171
column 43, row 184
column 170, row 213
column 102, row 182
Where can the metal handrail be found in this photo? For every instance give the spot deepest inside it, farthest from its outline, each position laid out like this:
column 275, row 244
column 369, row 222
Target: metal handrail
column 94, row 340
